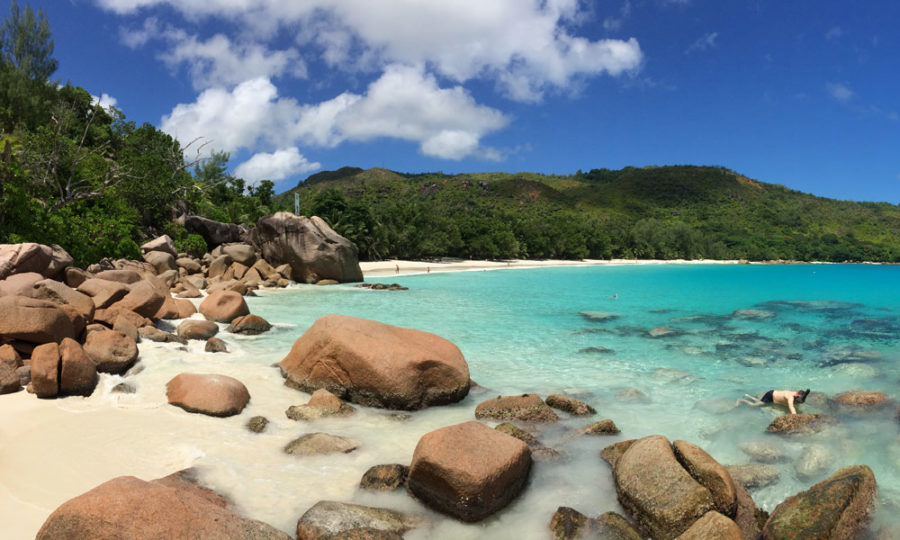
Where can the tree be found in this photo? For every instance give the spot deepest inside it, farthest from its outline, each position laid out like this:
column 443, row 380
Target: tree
column 26, row 44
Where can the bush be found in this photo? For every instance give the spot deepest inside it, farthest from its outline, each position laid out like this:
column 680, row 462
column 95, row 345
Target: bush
column 193, row 244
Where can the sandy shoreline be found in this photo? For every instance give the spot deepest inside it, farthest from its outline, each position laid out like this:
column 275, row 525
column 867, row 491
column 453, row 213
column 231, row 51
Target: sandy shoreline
column 396, row 267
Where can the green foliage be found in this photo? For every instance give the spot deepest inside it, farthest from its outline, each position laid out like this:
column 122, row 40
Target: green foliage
column 654, row 212
column 193, row 244
column 25, row 43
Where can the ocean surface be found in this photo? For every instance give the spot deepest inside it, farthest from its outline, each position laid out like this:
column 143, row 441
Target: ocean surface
column 582, row 331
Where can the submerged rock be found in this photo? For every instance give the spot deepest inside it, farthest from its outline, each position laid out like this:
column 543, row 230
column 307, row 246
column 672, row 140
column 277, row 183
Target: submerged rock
column 598, row 316
column 764, row 451
column 257, row 424
column 538, row 450
column 329, row 519
column 313, row 444
column 801, row 424
column 603, row 427
column 754, row 476
column 753, row 314
column 813, row 462
column 861, row 401
column 323, row 403
column 526, row 408
column 838, row 507
column 596, row 350
column 570, row 405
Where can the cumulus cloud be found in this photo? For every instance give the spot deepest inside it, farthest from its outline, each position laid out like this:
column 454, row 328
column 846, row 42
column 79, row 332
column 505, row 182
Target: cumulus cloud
column 104, row 100
column 275, row 166
column 839, row 91
column 217, row 61
column 504, row 40
column 404, row 103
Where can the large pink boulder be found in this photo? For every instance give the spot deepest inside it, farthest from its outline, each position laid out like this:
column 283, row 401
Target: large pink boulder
column 59, row 293
column 45, row 370
column 111, row 351
column 142, row 298
column 171, row 507
column 312, row 248
column 19, row 284
column 213, row 395
column 103, row 292
column 223, row 306
column 49, row 261
column 376, row 364
column 469, row 470
column 162, row 244
column 77, row 373
column 35, row 321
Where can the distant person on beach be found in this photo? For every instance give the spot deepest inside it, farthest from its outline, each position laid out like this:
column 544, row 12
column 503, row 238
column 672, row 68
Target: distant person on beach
column 396, row 268
column 786, row 398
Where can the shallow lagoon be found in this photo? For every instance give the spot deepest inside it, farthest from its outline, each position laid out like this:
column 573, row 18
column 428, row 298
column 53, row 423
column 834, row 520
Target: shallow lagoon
column 831, row 328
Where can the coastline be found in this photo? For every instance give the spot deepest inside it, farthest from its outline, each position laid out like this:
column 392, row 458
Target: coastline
column 395, row 267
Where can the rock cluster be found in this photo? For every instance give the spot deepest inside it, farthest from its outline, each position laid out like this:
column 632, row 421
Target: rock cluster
column 677, row 490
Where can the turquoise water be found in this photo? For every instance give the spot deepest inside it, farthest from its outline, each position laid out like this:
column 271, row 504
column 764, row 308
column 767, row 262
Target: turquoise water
column 831, row 328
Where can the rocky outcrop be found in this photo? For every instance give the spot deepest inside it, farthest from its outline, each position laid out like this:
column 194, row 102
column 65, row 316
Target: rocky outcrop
column 223, row 306
column 171, row 507
column 376, row 364
column 48, row 261
column 385, row 477
column 209, row 394
column 214, row 232
column 329, row 519
column 838, row 507
column 570, row 524
column 103, row 292
column 468, row 471
column 142, row 298
column 314, row 444
column 659, row 494
column 311, row 248
column 539, row 451
column 61, row 294
column 526, row 408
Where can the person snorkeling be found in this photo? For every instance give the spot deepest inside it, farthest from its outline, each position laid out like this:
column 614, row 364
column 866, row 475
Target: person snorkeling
column 786, row 398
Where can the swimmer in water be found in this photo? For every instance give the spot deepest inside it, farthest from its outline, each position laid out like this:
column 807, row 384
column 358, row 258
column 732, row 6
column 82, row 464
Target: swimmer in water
column 785, row 398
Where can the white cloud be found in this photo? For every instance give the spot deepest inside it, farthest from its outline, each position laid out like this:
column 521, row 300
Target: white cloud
column 104, row 100
column 839, row 91
column 275, row 166
column 229, row 120
column 219, row 62
column 403, row 103
column 708, row 41
column 501, row 40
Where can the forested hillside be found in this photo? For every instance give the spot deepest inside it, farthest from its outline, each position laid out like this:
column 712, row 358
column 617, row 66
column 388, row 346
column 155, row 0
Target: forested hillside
column 651, row 212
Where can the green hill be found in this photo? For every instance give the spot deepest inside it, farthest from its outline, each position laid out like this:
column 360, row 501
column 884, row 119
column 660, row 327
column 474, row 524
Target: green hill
column 651, row 212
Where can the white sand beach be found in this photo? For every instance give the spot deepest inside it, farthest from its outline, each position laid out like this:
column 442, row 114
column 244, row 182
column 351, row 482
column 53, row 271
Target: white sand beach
column 402, row 267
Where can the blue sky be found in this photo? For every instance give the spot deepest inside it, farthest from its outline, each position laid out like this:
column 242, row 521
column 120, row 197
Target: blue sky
column 804, row 94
